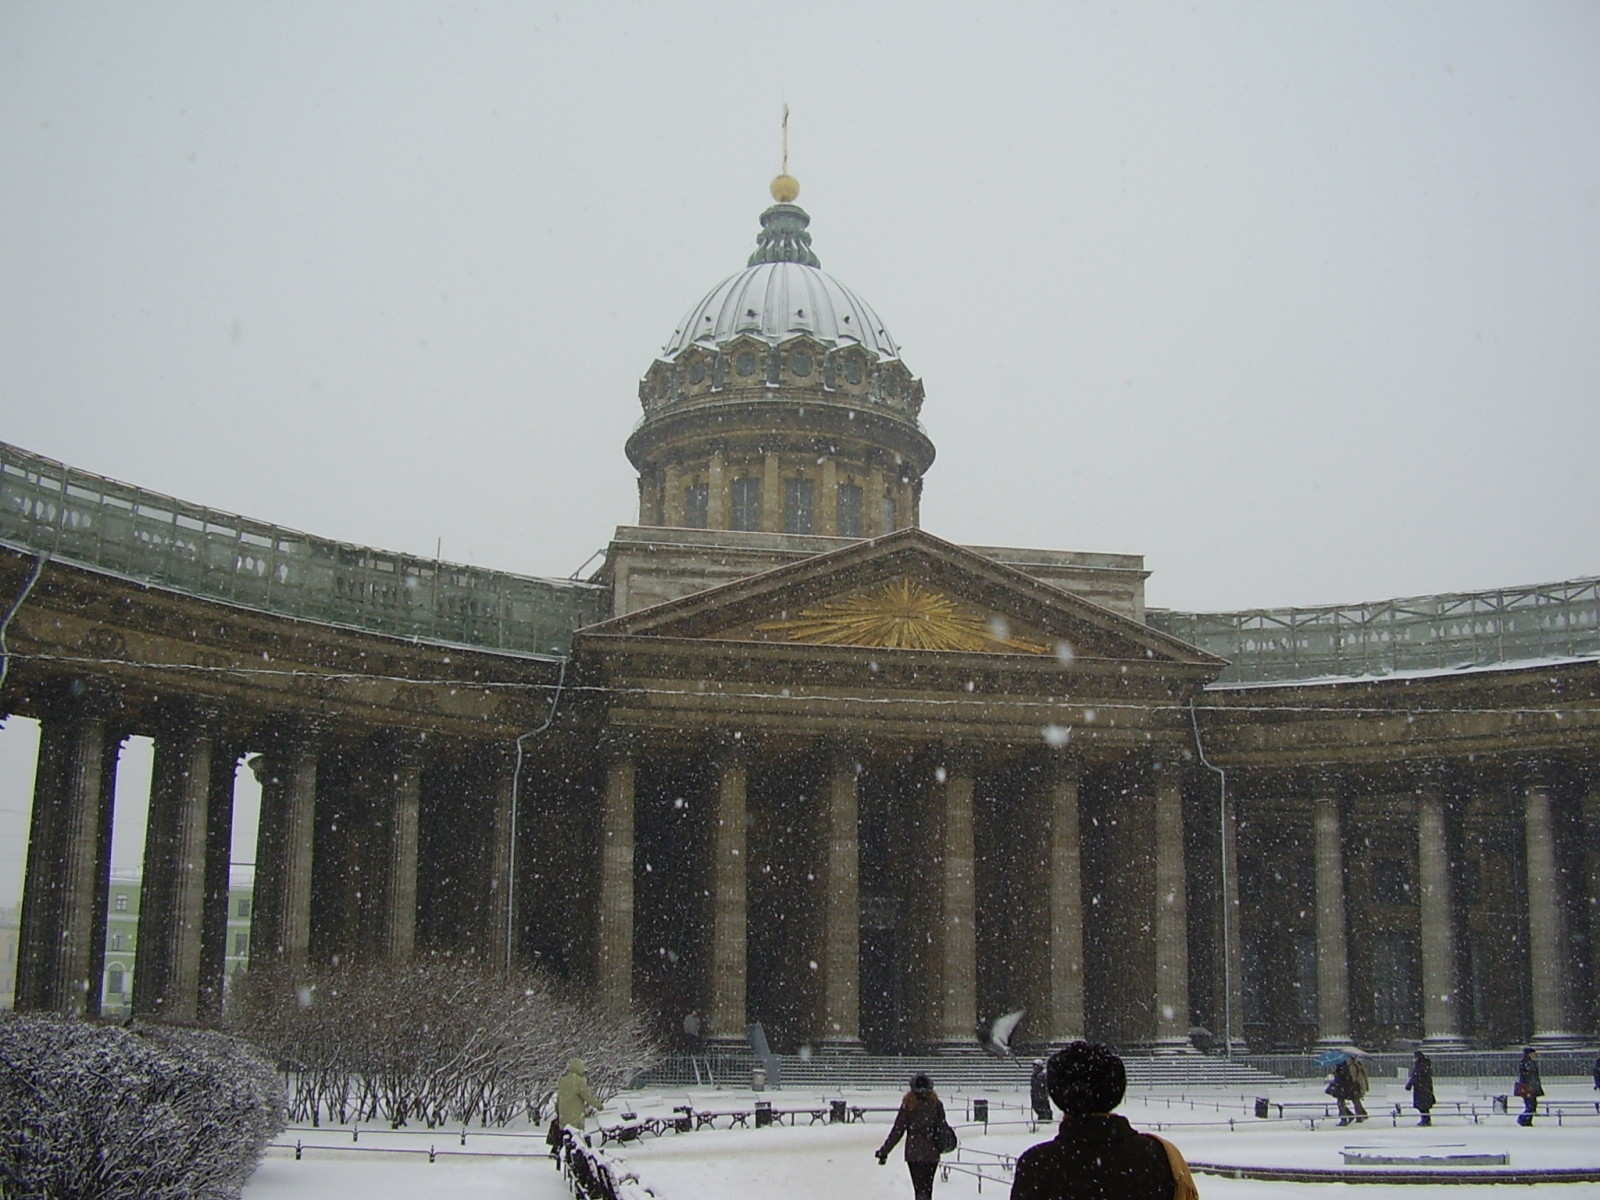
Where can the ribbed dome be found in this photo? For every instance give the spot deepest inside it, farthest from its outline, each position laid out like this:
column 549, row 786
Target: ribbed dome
column 783, row 292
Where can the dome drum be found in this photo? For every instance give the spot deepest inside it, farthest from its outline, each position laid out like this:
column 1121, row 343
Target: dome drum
column 747, row 364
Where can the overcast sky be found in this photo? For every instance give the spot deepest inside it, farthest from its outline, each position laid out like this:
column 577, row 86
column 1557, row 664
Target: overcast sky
column 1301, row 301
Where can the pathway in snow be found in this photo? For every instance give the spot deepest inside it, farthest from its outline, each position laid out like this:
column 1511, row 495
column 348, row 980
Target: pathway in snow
column 835, row 1162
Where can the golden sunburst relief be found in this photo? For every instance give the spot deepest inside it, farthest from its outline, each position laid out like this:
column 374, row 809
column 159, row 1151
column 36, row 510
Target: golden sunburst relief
column 901, row 614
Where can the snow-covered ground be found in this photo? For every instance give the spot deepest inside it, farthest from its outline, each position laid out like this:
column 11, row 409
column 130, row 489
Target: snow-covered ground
column 835, row 1161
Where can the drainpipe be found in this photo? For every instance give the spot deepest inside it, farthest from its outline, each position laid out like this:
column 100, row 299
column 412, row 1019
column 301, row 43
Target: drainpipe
column 5, row 622
column 516, row 784
column 1222, row 819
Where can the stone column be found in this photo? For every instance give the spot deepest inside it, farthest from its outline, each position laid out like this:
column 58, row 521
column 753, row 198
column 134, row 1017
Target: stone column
column 56, row 952
column 729, row 891
column 828, row 501
column 111, row 752
column 397, row 805
column 958, row 940
column 841, row 899
column 1440, row 1027
column 1059, row 993
column 499, row 938
column 1172, row 913
column 219, row 871
column 1548, row 950
column 166, row 981
column 673, row 496
column 280, row 927
column 1591, row 894
column 716, row 491
column 614, row 966
column 1333, row 969
column 771, row 494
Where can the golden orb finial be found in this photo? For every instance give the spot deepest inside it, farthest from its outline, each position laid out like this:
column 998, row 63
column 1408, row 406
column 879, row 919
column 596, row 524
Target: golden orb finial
column 785, row 189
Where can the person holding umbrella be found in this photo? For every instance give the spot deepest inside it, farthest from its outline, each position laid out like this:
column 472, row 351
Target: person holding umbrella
column 1348, row 1083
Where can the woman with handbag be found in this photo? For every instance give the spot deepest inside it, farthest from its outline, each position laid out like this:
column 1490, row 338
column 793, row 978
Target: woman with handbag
column 922, row 1123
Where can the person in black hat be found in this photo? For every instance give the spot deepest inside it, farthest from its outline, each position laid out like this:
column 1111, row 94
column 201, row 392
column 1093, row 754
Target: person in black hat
column 1529, row 1086
column 1097, row 1155
column 920, row 1121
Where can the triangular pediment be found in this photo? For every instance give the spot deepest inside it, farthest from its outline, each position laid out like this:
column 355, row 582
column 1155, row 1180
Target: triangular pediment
column 909, row 591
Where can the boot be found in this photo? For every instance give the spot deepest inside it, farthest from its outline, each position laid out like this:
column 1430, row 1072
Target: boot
column 1426, row 1120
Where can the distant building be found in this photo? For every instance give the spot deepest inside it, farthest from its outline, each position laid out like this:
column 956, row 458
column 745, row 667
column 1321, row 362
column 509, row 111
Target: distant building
column 122, row 941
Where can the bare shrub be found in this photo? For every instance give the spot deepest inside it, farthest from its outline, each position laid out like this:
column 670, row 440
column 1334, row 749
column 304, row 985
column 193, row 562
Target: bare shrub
column 90, row 1111
column 438, row 1041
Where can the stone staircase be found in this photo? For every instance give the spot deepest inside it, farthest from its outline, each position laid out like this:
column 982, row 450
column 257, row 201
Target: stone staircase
column 952, row 1073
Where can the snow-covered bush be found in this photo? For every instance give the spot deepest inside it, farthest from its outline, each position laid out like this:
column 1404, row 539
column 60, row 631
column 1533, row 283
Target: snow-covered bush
column 440, row 1040
column 90, row 1111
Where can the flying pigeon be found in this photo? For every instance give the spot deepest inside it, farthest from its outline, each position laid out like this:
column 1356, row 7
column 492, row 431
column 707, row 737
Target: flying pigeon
column 996, row 1040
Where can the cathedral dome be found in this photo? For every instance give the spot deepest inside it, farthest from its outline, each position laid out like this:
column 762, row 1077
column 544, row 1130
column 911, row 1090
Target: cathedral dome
column 783, row 292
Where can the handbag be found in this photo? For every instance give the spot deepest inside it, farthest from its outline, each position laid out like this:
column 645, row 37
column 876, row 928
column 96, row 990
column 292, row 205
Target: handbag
column 1520, row 1089
column 944, row 1138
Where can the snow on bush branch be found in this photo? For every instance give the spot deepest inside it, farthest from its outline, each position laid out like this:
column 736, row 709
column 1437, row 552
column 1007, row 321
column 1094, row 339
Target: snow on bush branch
column 92, row 1111
column 442, row 1041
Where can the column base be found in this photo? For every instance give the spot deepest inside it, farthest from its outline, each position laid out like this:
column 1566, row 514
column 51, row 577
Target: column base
column 1444, row 1043
column 841, row 1046
column 1338, row 1041
column 1559, row 1041
column 1173, row 1045
column 964, row 1048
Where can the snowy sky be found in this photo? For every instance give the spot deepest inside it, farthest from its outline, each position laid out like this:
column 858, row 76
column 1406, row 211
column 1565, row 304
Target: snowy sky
column 1298, row 300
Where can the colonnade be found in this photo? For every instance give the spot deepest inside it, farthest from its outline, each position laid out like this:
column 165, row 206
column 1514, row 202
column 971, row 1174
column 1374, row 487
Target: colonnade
column 339, row 869
column 1521, row 834
column 978, row 848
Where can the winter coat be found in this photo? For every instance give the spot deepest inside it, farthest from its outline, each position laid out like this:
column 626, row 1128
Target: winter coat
column 1529, row 1083
column 1420, row 1084
column 1039, row 1094
column 1343, row 1085
column 1102, row 1158
column 1358, row 1076
column 574, row 1100
column 921, row 1115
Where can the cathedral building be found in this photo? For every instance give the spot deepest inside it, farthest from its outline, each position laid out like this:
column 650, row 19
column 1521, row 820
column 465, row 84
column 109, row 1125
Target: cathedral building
column 788, row 757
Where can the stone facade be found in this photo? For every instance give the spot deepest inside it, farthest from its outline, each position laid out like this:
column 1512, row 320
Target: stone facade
column 809, row 765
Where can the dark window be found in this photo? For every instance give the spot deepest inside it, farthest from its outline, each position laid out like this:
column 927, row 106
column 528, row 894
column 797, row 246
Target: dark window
column 891, row 520
column 122, row 904
column 746, row 512
column 1394, row 980
column 849, row 510
column 797, row 505
column 114, row 981
column 696, row 498
column 1391, row 881
column 241, row 944
column 244, row 908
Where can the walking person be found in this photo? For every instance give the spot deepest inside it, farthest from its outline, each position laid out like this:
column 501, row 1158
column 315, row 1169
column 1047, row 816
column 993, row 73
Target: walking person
column 1039, row 1092
column 1529, row 1086
column 1420, row 1084
column 574, row 1100
column 921, row 1122
column 1348, row 1086
column 1097, row 1154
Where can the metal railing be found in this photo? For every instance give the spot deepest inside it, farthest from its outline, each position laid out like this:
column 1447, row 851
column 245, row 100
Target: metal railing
column 1418, row 633
column 48, row 507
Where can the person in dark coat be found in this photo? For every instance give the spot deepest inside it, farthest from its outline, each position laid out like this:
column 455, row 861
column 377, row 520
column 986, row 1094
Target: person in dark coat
column 1529, row 1086
column 1597, row 1074
column 919, row 1120
column 1039, row 1092
column 1420, row 1084
column 1346, row 1087
column 1097, row 1155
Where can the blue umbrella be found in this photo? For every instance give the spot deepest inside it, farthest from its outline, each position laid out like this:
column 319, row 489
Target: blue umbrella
column 1331, row 1058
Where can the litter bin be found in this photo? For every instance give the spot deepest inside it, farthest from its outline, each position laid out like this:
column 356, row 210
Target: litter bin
column 1261, row 1106
column 763, row 1113
column 682, row 1121
column 836, row 1113
column 980, row 1111
column 758, row 1079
